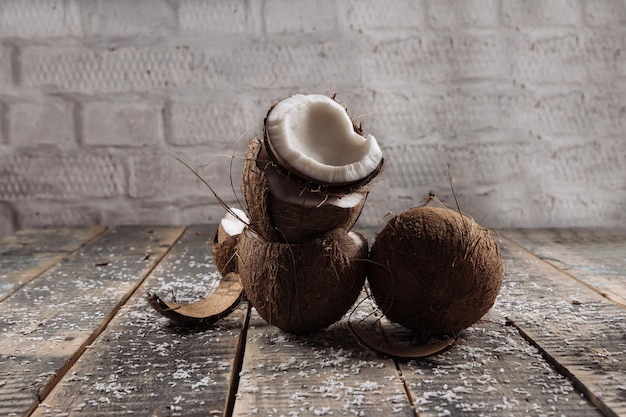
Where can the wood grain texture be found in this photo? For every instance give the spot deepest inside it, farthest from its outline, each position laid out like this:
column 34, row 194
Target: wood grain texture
column 594, row 256
column 30, row 252
column 574, row 327
column 326, row 373
column 144, row 364
column 48, row 323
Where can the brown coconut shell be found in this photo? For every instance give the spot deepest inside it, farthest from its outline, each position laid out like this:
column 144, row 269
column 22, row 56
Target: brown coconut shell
column 304, row 287
column 281, row 221
column 224, row 248
column 434, row 270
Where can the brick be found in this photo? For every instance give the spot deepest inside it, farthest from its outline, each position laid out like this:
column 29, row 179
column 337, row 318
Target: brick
column 541, row 13
column 580, row 112
column 158, row 177
column 207, row 122
column 205, row 214
column 46, row 173
column 103, row 70
column 552, row 59
column 605, row 59
column 452, row 14
column 451, row 111
column 122, row 124
column 39, row 19
column 293, row 16
column 39, row 122
column 8, row 219
column 570, row 164
column 288, row 64
column 217, row 16
column 430, row 58
column 41, row 213
column 6, row 57
column 123, row 18
column 605, row 13
column 372, row 14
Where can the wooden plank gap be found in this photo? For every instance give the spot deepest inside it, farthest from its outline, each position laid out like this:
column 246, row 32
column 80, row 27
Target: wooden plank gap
column 58, row 377
column 563, row 370
column 233, row 387
column 604, row 294
column 407, row 390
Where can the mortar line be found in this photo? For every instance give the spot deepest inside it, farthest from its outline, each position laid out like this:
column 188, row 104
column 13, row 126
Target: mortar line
column 44, row 391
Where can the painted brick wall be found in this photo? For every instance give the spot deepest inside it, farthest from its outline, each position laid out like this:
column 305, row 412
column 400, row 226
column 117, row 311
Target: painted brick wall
column 525, row 101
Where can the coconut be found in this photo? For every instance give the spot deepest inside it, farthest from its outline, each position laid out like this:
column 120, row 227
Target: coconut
column 283, row 210
column 224, row 240
column 434, row 270
column 303, row 287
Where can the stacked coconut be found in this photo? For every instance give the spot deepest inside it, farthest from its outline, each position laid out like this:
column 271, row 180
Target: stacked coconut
column 304, row 184
column 294, row 254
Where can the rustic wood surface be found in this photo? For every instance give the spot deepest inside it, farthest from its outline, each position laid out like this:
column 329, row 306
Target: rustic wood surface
column 78, row 337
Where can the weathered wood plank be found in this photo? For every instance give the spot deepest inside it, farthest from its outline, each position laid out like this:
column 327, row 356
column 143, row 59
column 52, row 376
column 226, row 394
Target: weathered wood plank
column 46, row 325
column 491, row 371
column 143, row 364
column 326, row 373
column 594, row 256
column 575, row 327
column 30, row 252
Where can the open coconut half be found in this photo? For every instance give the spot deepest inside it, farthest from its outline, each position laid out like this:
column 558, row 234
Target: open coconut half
column 303, row 287
column 312, row 138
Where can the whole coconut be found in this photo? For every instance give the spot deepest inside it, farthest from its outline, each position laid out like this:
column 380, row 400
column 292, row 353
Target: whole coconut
column 303, row 287
column 434, row 270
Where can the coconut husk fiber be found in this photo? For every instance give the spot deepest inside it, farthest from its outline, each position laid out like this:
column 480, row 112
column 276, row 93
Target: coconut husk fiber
column 434, row 270
column 304, row 287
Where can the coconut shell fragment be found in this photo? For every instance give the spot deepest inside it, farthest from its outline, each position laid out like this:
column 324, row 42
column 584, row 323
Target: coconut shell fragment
column 434, row 270
column 304, row 287
column 219, row 304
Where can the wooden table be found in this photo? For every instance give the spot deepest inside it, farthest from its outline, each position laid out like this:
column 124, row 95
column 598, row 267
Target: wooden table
column 78, row 337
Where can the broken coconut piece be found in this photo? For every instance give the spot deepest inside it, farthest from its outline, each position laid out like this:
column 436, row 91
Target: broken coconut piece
column 313, row 138
column 281, row 210
column 375, row 337
column 219, row 304
column 434, row 270
column 303, row 287
column 225, row 239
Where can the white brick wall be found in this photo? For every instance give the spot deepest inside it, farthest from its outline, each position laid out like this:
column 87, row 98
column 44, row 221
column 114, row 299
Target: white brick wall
column 524, row 100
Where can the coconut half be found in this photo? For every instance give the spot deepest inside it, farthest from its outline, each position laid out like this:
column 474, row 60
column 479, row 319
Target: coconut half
column 313, row 139
column 282, row 210
column 434, row 270
column 304, row 287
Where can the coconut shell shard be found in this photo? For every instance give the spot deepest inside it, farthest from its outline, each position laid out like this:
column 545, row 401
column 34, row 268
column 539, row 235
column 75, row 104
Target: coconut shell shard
column 434, row 270
column 304, row 287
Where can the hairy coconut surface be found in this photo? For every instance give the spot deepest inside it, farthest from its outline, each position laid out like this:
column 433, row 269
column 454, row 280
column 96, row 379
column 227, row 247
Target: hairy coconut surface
column 314, row 139
column 304, row 287
column 282, row 210
column 434, row 270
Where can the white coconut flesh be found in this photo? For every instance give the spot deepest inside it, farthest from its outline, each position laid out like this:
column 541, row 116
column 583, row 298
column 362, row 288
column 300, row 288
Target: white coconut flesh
column 314, row 136
column 232, row 224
